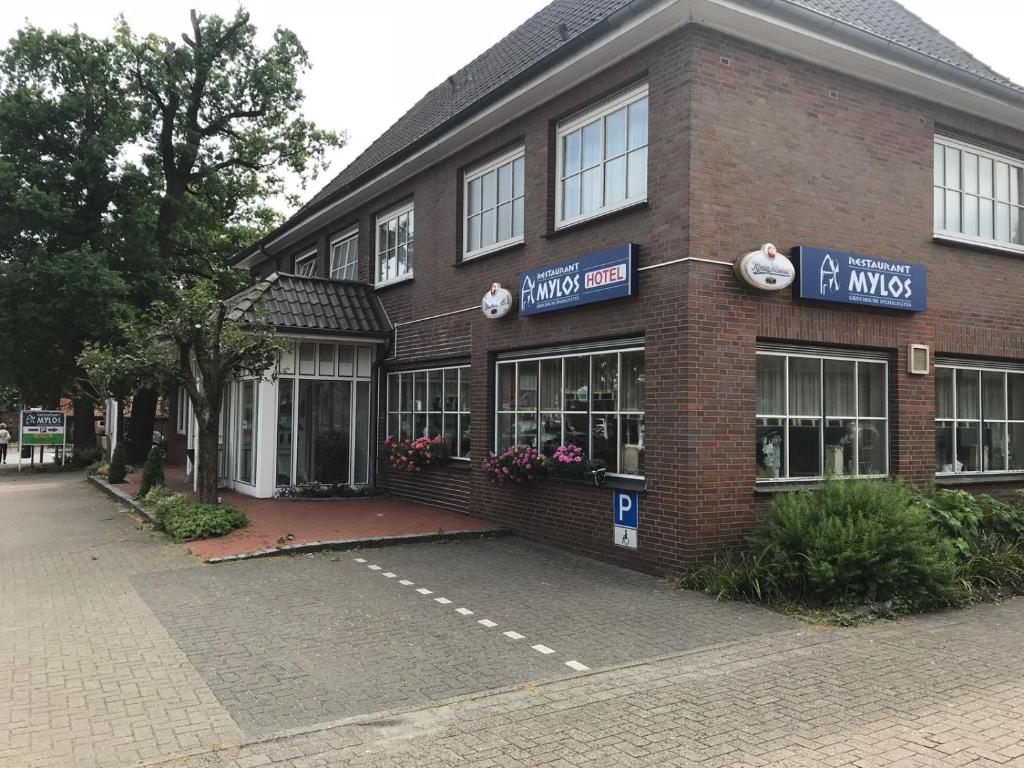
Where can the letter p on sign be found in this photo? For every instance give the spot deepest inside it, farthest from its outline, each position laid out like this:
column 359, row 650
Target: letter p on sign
column 626, row 508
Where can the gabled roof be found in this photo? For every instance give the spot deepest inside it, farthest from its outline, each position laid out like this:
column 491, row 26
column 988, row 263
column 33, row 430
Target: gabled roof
column 554, row 33
column 315, row 305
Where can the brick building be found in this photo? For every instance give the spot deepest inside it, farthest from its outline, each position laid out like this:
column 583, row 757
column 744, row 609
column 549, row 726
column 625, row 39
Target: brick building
column 656, row 143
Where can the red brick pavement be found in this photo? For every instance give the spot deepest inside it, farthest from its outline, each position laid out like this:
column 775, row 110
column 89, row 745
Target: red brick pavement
column 276, row 524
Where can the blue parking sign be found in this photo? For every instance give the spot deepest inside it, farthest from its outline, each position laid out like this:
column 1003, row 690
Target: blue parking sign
column 625, row 509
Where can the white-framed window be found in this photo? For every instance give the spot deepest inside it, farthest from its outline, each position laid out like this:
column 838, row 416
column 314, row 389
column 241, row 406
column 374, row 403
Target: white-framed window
column 821, row 415
column 305, row 265
column 601, row 159
column 594, row 400
column 395, row 237
column 431, row 402
column 345, row 256
column 493, row 199
column 181, row 416
column 979, row 419
column 978, row 195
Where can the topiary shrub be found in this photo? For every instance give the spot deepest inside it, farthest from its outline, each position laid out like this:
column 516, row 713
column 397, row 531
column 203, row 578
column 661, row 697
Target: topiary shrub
column 857, row 541
column 152, row 472
column 118, row 468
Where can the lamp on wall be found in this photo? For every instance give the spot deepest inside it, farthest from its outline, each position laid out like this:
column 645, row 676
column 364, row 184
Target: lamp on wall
column 918, row 358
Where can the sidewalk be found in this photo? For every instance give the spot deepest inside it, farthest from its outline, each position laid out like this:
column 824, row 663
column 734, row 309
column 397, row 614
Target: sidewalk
column 278, row 525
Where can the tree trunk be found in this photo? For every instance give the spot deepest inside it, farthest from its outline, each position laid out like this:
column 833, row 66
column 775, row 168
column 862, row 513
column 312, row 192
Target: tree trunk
column 85, row 424
column 206, row 466
column 139, row 438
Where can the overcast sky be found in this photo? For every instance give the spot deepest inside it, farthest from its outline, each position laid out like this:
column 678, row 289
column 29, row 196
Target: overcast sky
column 373, row 60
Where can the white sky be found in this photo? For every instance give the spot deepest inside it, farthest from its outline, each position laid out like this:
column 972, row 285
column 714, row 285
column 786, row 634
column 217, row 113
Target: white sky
column 373, row 60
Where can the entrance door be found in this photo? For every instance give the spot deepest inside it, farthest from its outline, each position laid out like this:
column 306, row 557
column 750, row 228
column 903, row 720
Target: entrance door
column 324, row 431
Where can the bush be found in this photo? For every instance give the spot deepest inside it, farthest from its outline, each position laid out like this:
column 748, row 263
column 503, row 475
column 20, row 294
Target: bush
column 118, row 468
column 83, row 458
column 152, row 472
column 731, row 576
column 851, row 542
column 97, row 468
column 188, row 520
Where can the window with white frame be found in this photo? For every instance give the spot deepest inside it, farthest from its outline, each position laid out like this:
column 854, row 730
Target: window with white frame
column 493, row 202
column 181, row 416
column 345, row 256
column 820, row 415
column 602, row 158
column 594, row 400
column 395, row 230
column 431, row 402
column 979, row 419
column 306, row 265
column 978, row 194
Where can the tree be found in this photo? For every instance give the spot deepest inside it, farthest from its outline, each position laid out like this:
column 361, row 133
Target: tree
column 223, row 127
column 200, row 341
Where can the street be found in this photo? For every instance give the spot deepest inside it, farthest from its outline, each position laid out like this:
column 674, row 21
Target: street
column 119, row 648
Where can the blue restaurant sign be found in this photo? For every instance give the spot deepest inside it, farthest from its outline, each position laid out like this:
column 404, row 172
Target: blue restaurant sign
column 848, row 278
column 600, row 276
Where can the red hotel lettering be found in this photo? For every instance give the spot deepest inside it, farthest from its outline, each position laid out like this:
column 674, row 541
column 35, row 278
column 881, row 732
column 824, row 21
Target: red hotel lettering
column 605, row 276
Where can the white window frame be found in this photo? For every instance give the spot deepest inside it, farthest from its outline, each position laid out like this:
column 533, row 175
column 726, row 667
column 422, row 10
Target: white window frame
column 492, row 166
column 578, row 122
column 336, row 248
column 181, row 416
column 395, row 411
column 304, row 259
column 981, row 421
column 941, row 232
column 384, row 218
column 786, row 418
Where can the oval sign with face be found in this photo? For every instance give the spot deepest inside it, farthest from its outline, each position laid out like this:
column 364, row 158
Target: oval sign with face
column 497, row 301
column 766, row 269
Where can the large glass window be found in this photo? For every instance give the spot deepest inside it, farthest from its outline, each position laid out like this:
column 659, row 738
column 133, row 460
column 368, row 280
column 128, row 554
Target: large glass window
column 345, row 257
column 395, row 230
column 285, row 395
column 819, row 416
column 429, row 403
column 324, row 421
column 493, row 200
column 594, row 400
column 978, row 194
column 979, row 420
column 602, row 158
column 247, row 431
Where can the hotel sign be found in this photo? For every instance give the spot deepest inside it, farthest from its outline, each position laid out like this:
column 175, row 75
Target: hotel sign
column 848, row 278
column 600, row 276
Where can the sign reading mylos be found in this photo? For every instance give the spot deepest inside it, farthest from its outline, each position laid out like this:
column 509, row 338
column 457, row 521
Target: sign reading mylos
column 765, row 269
column 43, row 427
column 848, row 278
column 600, row 276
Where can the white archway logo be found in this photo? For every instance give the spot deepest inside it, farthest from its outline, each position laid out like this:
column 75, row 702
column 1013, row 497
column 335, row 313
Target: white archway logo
column 829, row 275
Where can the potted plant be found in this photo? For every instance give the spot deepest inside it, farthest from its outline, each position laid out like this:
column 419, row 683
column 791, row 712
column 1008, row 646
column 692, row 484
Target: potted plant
column 413, row 455
column 570, row 464
column 517, row 464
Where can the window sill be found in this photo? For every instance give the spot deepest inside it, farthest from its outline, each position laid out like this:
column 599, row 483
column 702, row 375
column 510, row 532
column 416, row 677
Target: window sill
column 460, row 464
column 503, row 250
column 624, row 483
column 978, row 245
column 979, row 478
column 399, row 281
column 771, row 487
column 598, row 217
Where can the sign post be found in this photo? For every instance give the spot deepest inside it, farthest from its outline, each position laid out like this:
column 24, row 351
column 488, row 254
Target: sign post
column 43, row 428
column 625, row 518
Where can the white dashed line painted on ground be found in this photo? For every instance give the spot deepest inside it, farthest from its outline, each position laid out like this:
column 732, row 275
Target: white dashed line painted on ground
column 513, row 635
column 424, row 591
column 577, row 666
column 442, row 600
column 373, row 567
column 406, row 583
column 390, row 575
column 487, row 623
column 542, row 649
column 360, row 560
column 464, row 611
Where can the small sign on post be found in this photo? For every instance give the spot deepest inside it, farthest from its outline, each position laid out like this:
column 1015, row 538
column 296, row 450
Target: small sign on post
column 43, row 428
column 625, row 518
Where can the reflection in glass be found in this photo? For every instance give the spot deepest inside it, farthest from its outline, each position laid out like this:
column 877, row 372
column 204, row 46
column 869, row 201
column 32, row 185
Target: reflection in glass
column 465, row 430
column 285, row 394
column 871, row 448
column 604, row 435
column 871, row 389
column 633, row 381
column 840, row 446
column 804, row 448
column 247, row 432
column 632, row 456
column 968, row 455
column 551, row 384
column 769, row 448
column 994, row 447
column 804, row 388
column 840, row 388
column 944, row 393
column 967, row 394
column 526, row 398
column 324, row 421
column 1016, row 440
column 362, row 434
column 605, row 378
column 576, row 431
column 944, row 446
column 506, row 386
column 577, row 383
column 506, row 431
column 993, row 395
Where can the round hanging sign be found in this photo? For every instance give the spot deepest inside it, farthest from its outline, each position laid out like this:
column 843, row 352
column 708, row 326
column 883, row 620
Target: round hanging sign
column 497, row 301
column 766, row 269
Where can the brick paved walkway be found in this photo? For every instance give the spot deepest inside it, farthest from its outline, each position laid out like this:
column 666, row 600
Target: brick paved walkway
column 118, row 649
column 276, row 524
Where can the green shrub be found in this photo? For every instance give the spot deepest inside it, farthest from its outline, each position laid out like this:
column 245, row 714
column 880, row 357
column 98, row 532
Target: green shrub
column 97, row 468
column 731, row 576
column 188, row 520
column 86, row 457
column 850, row 542
column 118, row 468
column 993, row 569
column 152, row 472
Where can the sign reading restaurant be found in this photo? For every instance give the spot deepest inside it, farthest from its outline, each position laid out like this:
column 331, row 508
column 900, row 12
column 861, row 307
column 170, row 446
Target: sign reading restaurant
column 600, row 276
column 848, row 278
